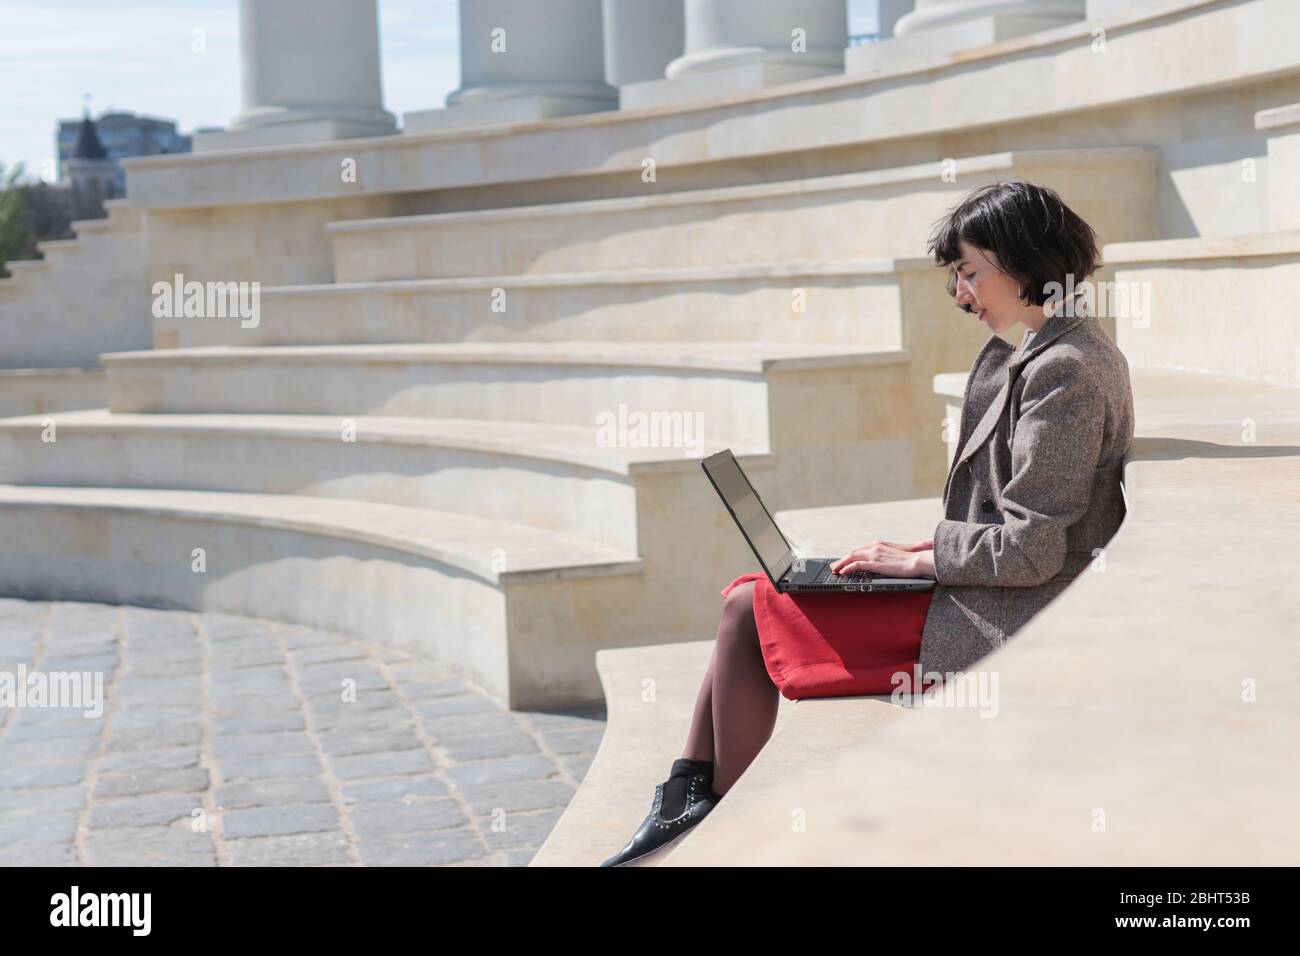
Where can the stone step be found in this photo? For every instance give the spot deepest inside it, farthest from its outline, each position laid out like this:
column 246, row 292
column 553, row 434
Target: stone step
column 56, row 249
column 641, row 741
column 86, row 227
column 122, row 217
column 809, row 735
column 521, row 610
column 883, row 212
column 751, row 393
column 36, row 391
column 278, row 556
column 853, row 302
column 88, row 295
column 25, row 267
column 1219, row 305
column 568, row 479
column 1281, row 126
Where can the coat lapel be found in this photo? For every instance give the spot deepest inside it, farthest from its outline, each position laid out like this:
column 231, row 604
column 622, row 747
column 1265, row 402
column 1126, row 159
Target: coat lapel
column 994, row 343
column 1053, row 327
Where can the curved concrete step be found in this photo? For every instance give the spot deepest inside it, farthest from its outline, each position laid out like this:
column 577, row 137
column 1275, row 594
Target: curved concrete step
column 727, row 392
column 135, row 545
column 818, row 218
column 1219, row 305
column 564, row 478
column 842, row 302
column 459, row 541
column 649, row 696
column 809, row 736
column 560, row 444
column 521, row 609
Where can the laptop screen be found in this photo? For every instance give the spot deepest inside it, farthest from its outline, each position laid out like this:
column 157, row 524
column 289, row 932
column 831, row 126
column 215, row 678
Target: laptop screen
column 764, row 537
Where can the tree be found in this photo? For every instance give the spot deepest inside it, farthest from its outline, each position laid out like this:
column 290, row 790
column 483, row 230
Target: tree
column 51, row 210
column 14, row 237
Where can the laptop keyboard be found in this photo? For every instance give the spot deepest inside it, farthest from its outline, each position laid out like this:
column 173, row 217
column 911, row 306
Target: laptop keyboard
column 829, row 577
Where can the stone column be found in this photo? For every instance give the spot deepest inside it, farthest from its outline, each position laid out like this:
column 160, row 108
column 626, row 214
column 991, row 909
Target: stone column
column 1015, row 16
column 641, row 37
column 734, row 47
column 522, row 62
column 947, row 26
column 309, row 73
column 890, row 12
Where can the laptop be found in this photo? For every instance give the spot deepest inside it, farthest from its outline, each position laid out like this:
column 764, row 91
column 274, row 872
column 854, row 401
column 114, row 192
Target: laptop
column 787, row 572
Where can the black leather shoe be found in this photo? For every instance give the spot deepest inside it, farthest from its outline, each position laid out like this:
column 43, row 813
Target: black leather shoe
column 658, row 832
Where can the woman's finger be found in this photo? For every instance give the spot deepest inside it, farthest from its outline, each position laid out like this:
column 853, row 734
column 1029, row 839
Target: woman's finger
column 841, row 562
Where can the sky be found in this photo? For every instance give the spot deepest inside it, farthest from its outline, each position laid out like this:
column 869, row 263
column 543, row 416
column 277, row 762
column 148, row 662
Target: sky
column 179, row 59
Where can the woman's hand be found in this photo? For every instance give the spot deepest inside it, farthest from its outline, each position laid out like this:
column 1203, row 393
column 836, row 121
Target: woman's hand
column 890, row 558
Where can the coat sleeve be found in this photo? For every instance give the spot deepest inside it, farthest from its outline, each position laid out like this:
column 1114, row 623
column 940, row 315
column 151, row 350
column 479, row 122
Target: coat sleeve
column 1054, row 456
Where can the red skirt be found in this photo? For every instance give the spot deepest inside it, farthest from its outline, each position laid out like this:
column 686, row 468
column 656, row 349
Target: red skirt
column 837, row 645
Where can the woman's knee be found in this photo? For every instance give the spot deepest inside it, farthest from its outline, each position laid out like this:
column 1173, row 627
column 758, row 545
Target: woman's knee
column 740, row 599
column 738, row 614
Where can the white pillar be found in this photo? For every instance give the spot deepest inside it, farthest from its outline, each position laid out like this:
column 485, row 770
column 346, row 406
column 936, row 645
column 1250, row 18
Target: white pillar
column 732, row 47
column 641, row 37
column 722, row 33
column 524, row 61
column 309, row 72
column 1016, row 16
column 890, row 12
column 947, row 26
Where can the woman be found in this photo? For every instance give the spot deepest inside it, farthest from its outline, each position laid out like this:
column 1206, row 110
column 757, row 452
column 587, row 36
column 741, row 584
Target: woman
column 1032, row 495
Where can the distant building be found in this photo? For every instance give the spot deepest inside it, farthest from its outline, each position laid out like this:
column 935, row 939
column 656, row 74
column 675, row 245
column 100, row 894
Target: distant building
column 89, row 168
column 120, row 134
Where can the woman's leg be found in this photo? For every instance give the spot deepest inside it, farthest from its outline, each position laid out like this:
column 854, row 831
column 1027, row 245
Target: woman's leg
column 735, row 710
column 699, row 741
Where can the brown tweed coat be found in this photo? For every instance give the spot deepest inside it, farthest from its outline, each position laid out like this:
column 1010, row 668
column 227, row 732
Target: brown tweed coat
column 1034, row 487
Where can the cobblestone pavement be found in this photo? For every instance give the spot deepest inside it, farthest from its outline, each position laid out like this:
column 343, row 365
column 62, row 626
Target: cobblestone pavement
column 233, row 741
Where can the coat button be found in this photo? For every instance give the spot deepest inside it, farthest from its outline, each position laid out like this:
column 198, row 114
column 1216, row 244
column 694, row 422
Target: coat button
column 987, row 506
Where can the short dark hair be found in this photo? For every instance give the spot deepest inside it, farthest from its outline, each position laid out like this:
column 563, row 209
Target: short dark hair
column 1032, row 234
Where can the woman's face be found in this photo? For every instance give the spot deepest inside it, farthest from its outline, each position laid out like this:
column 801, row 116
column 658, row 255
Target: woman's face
column 989, row 294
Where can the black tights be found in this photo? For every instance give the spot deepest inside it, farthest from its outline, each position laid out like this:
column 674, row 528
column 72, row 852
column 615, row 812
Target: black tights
column 736, row 707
